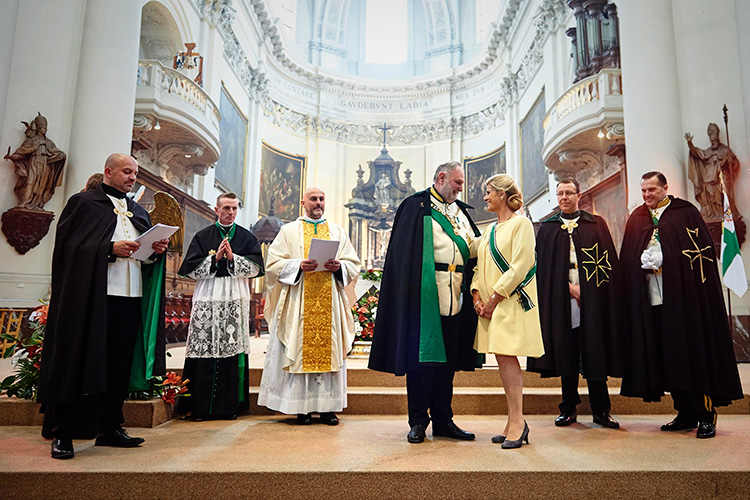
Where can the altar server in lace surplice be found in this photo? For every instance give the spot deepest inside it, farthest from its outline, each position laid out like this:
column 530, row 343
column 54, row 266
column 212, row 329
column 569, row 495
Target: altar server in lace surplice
column 309, row 318
column 222, row 258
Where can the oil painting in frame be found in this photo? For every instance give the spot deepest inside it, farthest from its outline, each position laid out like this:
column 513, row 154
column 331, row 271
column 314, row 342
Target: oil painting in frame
column 233, row 132
column 478, row 169
column 535, row 180
column 281, row 177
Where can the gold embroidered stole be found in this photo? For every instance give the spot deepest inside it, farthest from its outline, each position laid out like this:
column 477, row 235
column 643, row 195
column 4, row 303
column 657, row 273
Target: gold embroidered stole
column 318, row 300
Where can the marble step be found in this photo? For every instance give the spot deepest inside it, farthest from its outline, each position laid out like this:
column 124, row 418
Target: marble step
column 14, row 411
column 491, row 401
column 485, row 377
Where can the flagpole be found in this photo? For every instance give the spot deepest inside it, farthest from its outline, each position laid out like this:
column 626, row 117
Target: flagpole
column 729, row 292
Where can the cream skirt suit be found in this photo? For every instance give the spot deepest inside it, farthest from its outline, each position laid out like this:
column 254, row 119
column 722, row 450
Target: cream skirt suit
column 511, row 331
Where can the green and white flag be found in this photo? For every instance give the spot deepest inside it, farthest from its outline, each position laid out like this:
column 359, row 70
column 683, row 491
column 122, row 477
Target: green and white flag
column 732, row 267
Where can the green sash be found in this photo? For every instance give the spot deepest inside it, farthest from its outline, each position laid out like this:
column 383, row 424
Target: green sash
column 142, row 369
column 463, row 247
column 431, row 345
column 500, row 261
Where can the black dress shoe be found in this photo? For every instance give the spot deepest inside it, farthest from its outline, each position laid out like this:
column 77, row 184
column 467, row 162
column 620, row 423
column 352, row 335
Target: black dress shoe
column 416, row 434
column 706, row 430
column 606, row 420
column 451, row 430
column 118, row 438
column 329, row 418
column 679, row 424
column 62, row 449
column 565, row 419
column 304, row 418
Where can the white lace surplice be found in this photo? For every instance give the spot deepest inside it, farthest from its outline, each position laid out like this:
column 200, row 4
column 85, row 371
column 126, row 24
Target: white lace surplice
column 220, row 318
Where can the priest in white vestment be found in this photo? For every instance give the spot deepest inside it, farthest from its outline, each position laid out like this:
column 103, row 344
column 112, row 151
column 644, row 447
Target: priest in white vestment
column 309, row 318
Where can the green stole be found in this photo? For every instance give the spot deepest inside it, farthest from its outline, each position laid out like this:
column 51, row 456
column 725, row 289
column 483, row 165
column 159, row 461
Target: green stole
column 228, row 234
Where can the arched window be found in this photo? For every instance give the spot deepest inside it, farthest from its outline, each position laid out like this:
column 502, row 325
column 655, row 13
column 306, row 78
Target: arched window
column 385, row 31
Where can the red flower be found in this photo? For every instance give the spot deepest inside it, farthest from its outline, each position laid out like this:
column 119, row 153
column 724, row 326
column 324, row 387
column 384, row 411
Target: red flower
column 172, row 379
column 41, row 315
column 169, row 396
column 372, row 298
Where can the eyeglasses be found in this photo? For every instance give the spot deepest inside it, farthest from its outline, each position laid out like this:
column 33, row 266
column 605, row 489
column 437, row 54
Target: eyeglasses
column 566, row 194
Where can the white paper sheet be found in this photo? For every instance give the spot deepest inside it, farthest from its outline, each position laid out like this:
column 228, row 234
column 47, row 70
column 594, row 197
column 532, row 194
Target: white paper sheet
column 147, row 239
column 322, row 251
column 575, row 313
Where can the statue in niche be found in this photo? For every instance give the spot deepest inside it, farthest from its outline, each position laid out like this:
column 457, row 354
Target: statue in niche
column 39, row 165
column 382, row 191
column 704, row 169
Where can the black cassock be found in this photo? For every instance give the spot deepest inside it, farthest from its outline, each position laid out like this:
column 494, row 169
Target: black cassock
column 218, row 387
column 695, row 353
column 600, row 332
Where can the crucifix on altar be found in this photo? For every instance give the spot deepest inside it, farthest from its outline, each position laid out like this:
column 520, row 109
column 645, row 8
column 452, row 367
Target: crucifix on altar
column 385, row 128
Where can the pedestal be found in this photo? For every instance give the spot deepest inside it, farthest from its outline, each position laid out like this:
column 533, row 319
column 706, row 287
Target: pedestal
column 24, row 228
column 361, row 349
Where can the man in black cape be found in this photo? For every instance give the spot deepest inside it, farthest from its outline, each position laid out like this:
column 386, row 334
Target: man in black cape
column 679, row 339
column 580, row 297
column 425, row 325
column 221, row 258
column 105, row 329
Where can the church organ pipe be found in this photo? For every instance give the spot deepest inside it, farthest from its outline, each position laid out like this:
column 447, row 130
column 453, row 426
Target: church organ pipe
column 595, row 39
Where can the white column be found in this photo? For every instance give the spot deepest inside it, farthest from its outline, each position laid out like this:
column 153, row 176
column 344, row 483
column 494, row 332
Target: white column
column 8, row 12
column 105, row 94
column 254, row 152
column 40, row 44
column 651, row 96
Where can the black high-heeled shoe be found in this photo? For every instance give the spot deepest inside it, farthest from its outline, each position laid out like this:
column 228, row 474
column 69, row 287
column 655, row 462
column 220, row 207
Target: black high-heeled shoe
column 499, row 438
column 509, row 445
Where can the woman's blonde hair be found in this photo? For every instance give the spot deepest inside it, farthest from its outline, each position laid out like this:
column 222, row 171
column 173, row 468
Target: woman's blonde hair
column 506, row 184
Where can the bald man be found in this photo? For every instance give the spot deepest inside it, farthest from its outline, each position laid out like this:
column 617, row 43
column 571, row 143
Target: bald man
column 105, row 326
column 310, row 324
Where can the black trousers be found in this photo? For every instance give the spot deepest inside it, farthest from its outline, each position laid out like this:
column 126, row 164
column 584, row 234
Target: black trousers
column 76, row 419
column 598, row 395
column 429, row 387
column 694, row 406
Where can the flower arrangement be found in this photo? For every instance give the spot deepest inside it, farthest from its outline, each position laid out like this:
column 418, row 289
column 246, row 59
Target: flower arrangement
column 26, row 357
column 372, row 274
column 167, row 388
column 364, row 311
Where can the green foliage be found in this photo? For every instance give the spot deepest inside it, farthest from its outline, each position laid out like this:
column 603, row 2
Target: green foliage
column 372, row 275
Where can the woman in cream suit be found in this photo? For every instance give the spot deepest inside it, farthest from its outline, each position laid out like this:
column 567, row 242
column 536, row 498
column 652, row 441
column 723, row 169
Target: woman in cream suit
column 505, row 299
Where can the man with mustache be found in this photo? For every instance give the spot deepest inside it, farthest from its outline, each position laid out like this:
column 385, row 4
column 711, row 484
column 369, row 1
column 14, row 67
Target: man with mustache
column 309, row 318
column 426, row 324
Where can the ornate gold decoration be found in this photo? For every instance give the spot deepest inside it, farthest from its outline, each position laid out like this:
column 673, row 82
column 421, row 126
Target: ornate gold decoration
column 599, row 264
column 318, row 302
column 696, row 253
column 569, row 226
column 167, row 211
